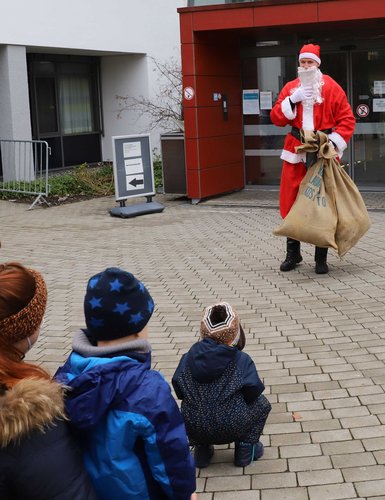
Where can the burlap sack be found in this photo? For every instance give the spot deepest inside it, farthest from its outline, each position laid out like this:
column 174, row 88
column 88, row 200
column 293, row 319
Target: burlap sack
column 352, row 216
column 329, row 210
column 313, row 217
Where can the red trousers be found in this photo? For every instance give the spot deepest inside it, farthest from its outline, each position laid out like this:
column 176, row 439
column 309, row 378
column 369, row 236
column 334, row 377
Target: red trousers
column 291, row 177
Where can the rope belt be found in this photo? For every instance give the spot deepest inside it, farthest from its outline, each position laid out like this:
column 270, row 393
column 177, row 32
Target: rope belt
column 311, row 158
column 297, row 133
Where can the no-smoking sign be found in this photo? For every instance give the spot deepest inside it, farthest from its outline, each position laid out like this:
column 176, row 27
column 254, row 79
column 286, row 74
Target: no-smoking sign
column 188, row 93
column 362, row 110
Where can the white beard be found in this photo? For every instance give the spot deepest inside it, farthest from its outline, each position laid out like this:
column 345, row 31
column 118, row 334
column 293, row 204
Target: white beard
column 312, row 76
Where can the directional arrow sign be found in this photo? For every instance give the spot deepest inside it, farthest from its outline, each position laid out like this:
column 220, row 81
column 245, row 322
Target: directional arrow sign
column 134, row 182
column 133, row 169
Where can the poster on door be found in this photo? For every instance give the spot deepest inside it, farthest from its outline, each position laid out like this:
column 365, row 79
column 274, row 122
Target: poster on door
column 266, row 99
column 250, row 102
column 378, row 105
column 379, row 87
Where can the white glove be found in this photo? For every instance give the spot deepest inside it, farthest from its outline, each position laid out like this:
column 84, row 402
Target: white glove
column 301, row 94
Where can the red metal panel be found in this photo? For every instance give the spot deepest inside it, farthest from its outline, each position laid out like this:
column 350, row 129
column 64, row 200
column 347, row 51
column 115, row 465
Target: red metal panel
column 193, row 184
column 222, row 19
column 190, row 123
column 188, row 62
column 216, row 60
column 212, row 142
column 191, row 150
column 186, row 30
column 206, row 86
column 344, row 10
column 211, row 122
column 280, row 15
column 216, row 151
column 222, row 179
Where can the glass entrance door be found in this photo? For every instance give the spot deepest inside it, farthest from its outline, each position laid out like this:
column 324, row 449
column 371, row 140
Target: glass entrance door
column 368, row 103
column 337, row 65
column 361, row 73
column 263, row 141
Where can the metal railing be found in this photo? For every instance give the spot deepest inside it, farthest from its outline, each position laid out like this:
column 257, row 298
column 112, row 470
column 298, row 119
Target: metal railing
column 24, row 166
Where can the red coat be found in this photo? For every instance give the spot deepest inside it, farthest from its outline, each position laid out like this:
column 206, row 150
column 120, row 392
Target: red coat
column 333, row 113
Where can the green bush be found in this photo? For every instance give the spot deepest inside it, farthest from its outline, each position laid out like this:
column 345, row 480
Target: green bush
column 81, row 181
column 158, row 172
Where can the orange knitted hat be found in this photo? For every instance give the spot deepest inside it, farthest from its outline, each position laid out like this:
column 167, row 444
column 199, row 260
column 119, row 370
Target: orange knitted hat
column 25, row 322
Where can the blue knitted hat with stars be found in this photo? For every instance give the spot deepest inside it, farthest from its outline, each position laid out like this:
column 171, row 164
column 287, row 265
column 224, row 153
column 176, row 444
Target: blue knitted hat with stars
column 116, row 305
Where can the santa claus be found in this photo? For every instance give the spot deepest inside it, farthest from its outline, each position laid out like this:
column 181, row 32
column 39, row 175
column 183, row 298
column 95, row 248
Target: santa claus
column 313, row 101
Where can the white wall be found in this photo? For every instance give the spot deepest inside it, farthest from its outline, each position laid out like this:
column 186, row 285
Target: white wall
column 122, row 76
column 124, row 33
column 115, row 25
column 14, row 101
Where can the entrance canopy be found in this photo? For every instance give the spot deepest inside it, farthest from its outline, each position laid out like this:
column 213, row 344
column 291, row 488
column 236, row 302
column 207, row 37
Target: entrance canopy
column 216, row 41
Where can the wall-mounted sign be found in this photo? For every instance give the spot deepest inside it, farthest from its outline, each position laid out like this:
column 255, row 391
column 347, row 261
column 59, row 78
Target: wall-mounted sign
column 362, row 110
column 266, row 99
column 378, row 105
column 250, row 102
column 133, row 170
column 188, row 93
column 379, row 87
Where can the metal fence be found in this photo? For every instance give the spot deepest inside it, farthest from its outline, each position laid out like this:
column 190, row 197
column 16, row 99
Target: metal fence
column 24, row 168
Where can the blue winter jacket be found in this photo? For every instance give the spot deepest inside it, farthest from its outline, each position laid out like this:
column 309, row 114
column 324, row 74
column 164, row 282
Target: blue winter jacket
column 130, row 427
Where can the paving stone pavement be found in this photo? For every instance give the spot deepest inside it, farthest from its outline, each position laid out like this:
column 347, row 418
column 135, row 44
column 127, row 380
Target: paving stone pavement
column 318, row 340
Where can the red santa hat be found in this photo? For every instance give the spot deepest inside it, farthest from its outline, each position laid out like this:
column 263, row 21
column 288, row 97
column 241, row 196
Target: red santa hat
column 310, row 51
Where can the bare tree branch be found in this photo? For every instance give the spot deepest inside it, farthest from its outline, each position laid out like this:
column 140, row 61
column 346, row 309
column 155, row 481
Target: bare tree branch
column 167, row 104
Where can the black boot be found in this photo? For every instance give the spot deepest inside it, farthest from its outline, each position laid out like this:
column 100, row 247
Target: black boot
column 245, row 453
column 293, row 255
column 203, row 454
column 320, row 257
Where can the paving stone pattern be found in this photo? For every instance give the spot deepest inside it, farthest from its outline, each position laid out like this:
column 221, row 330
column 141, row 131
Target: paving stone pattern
column 318, row 340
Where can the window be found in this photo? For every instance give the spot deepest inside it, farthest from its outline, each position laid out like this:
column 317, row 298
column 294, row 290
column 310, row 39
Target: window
column 64, row 95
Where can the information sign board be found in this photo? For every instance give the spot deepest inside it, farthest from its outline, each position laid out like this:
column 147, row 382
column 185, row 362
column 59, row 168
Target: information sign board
column 132, row 165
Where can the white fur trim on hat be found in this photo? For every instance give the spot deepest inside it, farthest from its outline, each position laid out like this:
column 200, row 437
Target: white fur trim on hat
column 309, row 55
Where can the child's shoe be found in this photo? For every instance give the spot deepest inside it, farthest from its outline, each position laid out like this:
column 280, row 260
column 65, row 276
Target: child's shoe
column 245, row 453
column 203, row 454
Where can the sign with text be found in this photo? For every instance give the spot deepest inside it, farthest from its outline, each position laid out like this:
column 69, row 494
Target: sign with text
column 250, row 102
column 133, row 169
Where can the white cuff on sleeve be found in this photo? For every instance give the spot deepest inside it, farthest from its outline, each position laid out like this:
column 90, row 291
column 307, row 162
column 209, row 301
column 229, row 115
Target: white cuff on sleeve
column 286, row 109
column 339, row 142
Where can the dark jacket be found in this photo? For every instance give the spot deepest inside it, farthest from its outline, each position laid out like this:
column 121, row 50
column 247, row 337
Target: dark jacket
column 219, row 386
column 38, row 457
column 134, row 439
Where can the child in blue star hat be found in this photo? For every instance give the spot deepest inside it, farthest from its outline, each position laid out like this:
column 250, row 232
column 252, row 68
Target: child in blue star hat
column 128, row 423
